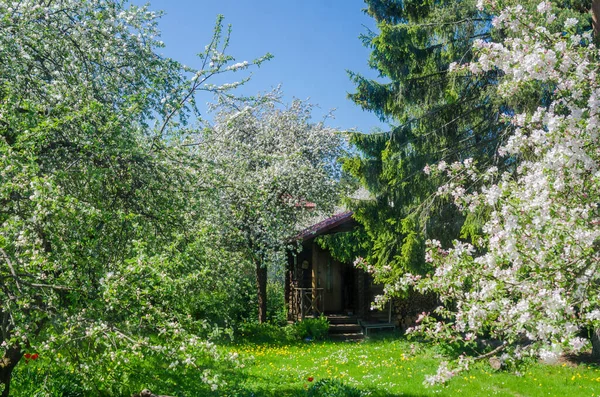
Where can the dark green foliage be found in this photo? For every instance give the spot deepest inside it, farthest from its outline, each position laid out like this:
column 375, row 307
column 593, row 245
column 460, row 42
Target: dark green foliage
column 313, row 328
column 345, row 247
column 435, row 116
column 438, row 117
column 276, row 311
column 332, row 388
column 255, row 332
column 239, row 293
column 309, row 328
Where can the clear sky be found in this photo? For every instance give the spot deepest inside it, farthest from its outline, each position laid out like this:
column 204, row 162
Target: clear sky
column 314, row 42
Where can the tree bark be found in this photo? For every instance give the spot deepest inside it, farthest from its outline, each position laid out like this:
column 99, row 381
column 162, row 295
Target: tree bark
column 7, row 365
column 261, row 286
column 596, row 17
column 596, row 344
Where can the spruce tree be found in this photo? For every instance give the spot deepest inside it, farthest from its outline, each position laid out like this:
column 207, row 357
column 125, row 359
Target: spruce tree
column 437, row 118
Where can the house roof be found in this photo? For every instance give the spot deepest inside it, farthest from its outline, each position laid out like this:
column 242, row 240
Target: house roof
column 337, row 223
column 309, row 205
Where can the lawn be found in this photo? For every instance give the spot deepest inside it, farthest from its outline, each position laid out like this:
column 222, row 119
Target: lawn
column 391, row 366
column 397, row 367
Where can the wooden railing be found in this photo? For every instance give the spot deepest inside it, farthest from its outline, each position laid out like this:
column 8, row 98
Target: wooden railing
column 306, row 302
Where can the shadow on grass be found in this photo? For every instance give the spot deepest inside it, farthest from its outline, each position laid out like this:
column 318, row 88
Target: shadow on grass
column 581, row 358
column 308, row 391
column 241, row 384
column 153, row 373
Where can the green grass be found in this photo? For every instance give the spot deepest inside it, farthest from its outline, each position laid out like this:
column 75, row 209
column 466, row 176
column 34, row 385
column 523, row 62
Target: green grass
column 397, row 367
column 390, row 366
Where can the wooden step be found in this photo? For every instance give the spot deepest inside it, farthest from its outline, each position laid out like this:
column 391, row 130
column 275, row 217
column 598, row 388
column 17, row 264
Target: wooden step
column 340, row 319
column 344, row 328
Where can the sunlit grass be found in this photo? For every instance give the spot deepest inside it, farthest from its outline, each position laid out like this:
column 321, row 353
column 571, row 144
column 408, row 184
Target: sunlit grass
column 391, row 366
column 397, row 367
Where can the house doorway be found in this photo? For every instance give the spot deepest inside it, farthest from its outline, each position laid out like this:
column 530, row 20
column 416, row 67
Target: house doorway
column 332, row 283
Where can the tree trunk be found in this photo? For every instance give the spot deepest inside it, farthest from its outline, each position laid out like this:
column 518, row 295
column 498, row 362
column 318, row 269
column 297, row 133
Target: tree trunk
column 261, row 286
column 596, row 17
column 596, row 344
column 7, row 364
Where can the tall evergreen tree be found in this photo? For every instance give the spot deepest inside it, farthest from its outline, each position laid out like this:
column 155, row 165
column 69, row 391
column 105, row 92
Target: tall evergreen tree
column 438, row 117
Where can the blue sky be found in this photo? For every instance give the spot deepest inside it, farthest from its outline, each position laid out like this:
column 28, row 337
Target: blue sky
column 314, row 42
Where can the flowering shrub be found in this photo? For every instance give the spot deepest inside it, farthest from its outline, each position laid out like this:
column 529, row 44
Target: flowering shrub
column 99, row 196
column 532, row 280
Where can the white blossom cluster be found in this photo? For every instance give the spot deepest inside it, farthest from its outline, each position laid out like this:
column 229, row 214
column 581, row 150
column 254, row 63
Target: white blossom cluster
column 99, row 209
column 533, row 281
column 269, row 162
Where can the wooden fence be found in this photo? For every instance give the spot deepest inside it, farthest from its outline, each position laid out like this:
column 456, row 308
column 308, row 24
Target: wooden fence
column 306, row 302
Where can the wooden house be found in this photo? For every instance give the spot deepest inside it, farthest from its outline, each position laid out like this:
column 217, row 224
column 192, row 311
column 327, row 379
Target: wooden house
column 318, row 284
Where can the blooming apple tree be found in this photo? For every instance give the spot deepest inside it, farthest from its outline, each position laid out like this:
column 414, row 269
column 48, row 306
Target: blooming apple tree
column 532, row 281
column 271, row 163
column 96, row 188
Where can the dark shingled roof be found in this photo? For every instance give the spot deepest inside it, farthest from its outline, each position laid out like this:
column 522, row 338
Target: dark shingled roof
column 328, row 225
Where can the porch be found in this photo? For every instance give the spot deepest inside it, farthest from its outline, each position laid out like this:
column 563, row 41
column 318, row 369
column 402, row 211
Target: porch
column 308, row 302
column 317, row 284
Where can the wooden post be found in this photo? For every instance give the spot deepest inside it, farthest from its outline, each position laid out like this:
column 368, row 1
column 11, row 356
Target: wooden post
column 301, row 299
column 315, row 270
column 360, row 284
column 322, row 301
column 291, row 268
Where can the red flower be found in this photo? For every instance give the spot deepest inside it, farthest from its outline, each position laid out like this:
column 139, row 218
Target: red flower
column 27, row 356
column 310, row 379
column 34, row 356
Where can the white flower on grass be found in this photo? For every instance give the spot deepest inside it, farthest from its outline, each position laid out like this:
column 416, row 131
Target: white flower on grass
column 549, row 356
column 444, row 374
